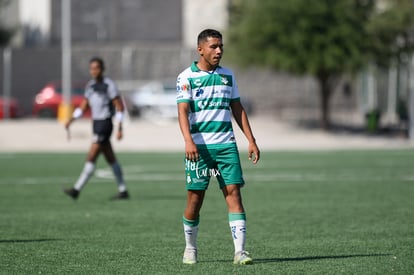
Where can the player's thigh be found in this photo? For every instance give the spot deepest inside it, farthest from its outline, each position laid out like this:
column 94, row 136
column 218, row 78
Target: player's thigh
column 229, row 167
column 198, row 172
column 102, row 130
column 108, row 152
column 94, row 152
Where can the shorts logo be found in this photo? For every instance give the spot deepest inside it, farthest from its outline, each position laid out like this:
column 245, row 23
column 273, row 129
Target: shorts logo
column 200, row 172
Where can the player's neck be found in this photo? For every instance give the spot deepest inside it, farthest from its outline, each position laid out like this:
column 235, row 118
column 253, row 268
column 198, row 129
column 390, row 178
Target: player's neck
column 205, row 66
column 99, row 79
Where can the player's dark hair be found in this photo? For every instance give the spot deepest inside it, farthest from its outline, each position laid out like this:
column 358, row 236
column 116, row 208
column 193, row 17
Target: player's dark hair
column 208, row 33
column 99, row 61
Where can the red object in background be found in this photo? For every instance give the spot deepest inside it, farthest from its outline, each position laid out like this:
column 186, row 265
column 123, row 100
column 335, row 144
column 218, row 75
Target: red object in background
column 12, row 105
column 47, row 101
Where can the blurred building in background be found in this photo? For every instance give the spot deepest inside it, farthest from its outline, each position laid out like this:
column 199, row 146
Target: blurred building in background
column 139, row 39
column 155, row 40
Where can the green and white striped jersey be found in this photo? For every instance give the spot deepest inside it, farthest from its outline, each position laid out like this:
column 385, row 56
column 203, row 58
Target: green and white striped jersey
column 209, row 95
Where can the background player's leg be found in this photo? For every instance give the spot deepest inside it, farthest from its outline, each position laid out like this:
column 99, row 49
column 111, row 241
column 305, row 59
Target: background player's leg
column 87, row 171
column 116, row 168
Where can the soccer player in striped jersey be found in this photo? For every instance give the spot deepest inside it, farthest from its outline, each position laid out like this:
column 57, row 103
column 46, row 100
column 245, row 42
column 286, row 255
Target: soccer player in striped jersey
column 103, row 98
column 207, row 97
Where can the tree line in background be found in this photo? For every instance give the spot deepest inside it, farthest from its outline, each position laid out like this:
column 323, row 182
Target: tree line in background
column 323, row 38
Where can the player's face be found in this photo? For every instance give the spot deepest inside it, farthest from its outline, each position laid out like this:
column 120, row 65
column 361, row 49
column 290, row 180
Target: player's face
column 95, row 70
column 211, row 51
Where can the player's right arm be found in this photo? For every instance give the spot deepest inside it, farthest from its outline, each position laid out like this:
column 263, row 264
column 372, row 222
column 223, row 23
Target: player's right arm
column 78, row 112
column 191, row 151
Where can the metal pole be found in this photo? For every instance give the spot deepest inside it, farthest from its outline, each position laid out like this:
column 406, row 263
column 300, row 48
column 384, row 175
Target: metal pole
column 66, row 51
column 411, row 100
column 6, row 82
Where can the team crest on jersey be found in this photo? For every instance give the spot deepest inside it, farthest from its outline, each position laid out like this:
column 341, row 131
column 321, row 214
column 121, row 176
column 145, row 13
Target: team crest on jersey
column 224, row 80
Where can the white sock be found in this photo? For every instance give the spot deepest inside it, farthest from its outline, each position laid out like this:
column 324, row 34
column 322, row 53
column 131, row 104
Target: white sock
column 190, row 233
column 87, row 172
column 116, row 168
column 238, row 232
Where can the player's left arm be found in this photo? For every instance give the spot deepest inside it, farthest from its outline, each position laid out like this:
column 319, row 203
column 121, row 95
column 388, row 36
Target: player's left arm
column 119, row 115
column 240, row 115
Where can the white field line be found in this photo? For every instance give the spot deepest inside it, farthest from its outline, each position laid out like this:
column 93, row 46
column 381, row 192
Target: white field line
column 134, row 173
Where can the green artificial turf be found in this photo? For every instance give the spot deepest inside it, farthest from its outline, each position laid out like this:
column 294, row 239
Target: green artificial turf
column 325, row 212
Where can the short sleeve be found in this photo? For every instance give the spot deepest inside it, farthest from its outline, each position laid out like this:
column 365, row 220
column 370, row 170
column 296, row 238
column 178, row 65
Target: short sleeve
column 112, row 89
column 88, row 90
column 235, row 89
column 183, row 89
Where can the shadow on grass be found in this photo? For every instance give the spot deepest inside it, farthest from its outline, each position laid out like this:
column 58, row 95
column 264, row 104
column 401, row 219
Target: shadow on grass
column 29, row 241
column 305, row 258
column 312, row 258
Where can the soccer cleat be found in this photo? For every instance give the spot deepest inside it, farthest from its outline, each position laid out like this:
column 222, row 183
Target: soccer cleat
column 242, row 258
column 190, row 256
column 121, row 196
column 73, row 193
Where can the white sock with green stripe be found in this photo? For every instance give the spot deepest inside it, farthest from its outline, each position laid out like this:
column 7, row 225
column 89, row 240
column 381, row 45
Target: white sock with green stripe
column 190, row 232
column 237, row 222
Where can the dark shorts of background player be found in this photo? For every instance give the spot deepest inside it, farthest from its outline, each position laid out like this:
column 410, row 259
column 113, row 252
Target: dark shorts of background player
column 102, row 130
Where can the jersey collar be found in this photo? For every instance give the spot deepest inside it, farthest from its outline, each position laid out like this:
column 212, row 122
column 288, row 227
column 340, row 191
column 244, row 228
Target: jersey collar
column 194, row 67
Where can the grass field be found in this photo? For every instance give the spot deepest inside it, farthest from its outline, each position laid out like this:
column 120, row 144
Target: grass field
column 346, row 212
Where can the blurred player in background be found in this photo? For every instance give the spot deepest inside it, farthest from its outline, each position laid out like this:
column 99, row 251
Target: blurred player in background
column 207, row 96
column 103, row 98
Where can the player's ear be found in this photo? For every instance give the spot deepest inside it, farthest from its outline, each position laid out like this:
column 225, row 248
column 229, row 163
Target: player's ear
column 200, row 50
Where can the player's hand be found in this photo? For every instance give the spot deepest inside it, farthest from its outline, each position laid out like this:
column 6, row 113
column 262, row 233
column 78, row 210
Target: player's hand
column 67, row 126
column 68, row 123
column 191, row 151
column 254, row 152
column 119, row 134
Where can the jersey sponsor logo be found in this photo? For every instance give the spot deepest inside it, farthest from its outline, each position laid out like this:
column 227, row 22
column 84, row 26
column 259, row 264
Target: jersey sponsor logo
column 197, row 82
column 218, row 104
column 203, row 104
column 199, row 92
